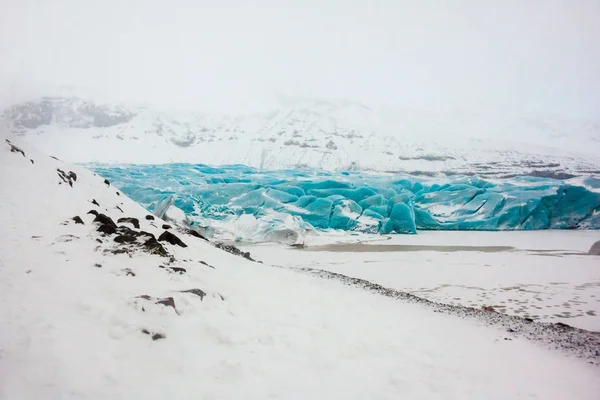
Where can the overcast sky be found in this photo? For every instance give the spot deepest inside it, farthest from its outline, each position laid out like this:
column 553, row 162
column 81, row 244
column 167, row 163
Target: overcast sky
column 534, row 56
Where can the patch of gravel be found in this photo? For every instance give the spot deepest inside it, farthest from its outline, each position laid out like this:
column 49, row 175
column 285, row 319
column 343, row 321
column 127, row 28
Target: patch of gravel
column 581, row 343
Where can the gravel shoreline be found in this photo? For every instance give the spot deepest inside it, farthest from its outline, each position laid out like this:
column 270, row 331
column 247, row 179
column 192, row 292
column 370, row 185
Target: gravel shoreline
column 578, row 342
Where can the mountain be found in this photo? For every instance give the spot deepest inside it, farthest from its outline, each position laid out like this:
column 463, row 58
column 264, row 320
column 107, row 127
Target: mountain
column 331, row 135
column 110, row 306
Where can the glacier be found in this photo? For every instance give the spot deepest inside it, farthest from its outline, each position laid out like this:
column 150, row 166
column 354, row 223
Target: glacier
column 281, row 205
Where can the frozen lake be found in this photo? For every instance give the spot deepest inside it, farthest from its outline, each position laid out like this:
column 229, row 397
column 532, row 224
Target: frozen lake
column 544, row 275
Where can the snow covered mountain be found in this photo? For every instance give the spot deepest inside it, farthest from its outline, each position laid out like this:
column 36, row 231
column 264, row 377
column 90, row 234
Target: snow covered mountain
column 100, row 300
column 332, row 135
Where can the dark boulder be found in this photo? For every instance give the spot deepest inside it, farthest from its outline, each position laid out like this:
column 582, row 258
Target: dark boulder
column 93, row 212
column 233, row 250
column 175, row 270
column 165, row 226
column 153, row 246
column 95, row 202
column 125, row 239
column 66, row 178
column 197, row 292
column 134, row 221
column 168, row 237
column 77, row 219
column 150, row 217
column 153, row 335
column 107, row 229
column 195, row 233
column 14, row 149
column 105, row 220
column 107, row 182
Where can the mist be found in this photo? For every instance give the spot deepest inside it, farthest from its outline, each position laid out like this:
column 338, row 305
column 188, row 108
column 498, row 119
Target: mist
column 532, row 57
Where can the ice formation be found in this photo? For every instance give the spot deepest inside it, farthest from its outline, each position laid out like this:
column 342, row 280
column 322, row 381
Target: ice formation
column 283, row 204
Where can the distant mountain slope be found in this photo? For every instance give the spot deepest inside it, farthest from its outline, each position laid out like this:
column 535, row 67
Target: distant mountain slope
column 333, row 135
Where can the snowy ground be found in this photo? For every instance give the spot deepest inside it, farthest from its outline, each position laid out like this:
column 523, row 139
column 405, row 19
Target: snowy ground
column 544, row 275
column 73, row 324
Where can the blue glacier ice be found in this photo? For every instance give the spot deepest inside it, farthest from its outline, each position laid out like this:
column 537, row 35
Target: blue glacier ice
column 359, row 201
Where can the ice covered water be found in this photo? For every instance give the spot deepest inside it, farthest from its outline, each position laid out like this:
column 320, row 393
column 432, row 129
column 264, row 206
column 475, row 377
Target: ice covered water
column 280, row 204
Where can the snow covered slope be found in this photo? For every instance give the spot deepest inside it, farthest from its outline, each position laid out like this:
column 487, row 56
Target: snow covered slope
column 90, row 312
column 333, row 135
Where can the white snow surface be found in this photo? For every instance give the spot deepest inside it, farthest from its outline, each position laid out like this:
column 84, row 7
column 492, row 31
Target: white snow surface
column 72, row 330
column 544, row 275
column 331, row 135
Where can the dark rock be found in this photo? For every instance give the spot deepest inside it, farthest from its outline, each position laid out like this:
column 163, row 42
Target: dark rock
column 153, row 335
column 488, row 308
column 66, row 178
column 177, row 270
column 195, row 233
column 125, row 239
column 197, row 292
column 233, row 250
column 15, row 149
column 118, row 194
column 150, row 217
column 95, row 202
column 134, row 221
column 99, row 240
column 98, row 265
column 152, row 246
column 128, row 272
column 107, row 229
column 167, row 301
column 73, row 175
column 165, row 226
column 77, row 220
column 31, row 161
column 107, row 182
column 54, row 158
column 528, row 320
column 119, row 208
column 105, row 220
column 563, row 326
column 93, row 212
column 119, row 251
column 208, row 265
column 510, row 330
column 168, row 237
column 148, row 234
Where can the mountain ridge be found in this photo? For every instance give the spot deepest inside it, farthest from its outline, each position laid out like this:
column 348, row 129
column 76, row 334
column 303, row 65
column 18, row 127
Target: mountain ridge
column 322, row 134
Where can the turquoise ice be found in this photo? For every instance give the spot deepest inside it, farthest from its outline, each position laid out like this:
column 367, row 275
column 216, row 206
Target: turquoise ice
column 359, row 201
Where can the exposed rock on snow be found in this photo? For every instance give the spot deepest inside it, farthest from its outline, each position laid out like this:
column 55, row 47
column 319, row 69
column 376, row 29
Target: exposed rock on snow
column 167, row 236
column 134, row 221
column 279, row 334
column 234, row 250
column 197, row 292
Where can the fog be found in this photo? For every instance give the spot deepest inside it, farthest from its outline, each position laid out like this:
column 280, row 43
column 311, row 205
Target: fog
column 536, row 56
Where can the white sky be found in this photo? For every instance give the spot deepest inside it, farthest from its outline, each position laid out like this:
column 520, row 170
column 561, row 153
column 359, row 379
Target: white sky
column 534, row 56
